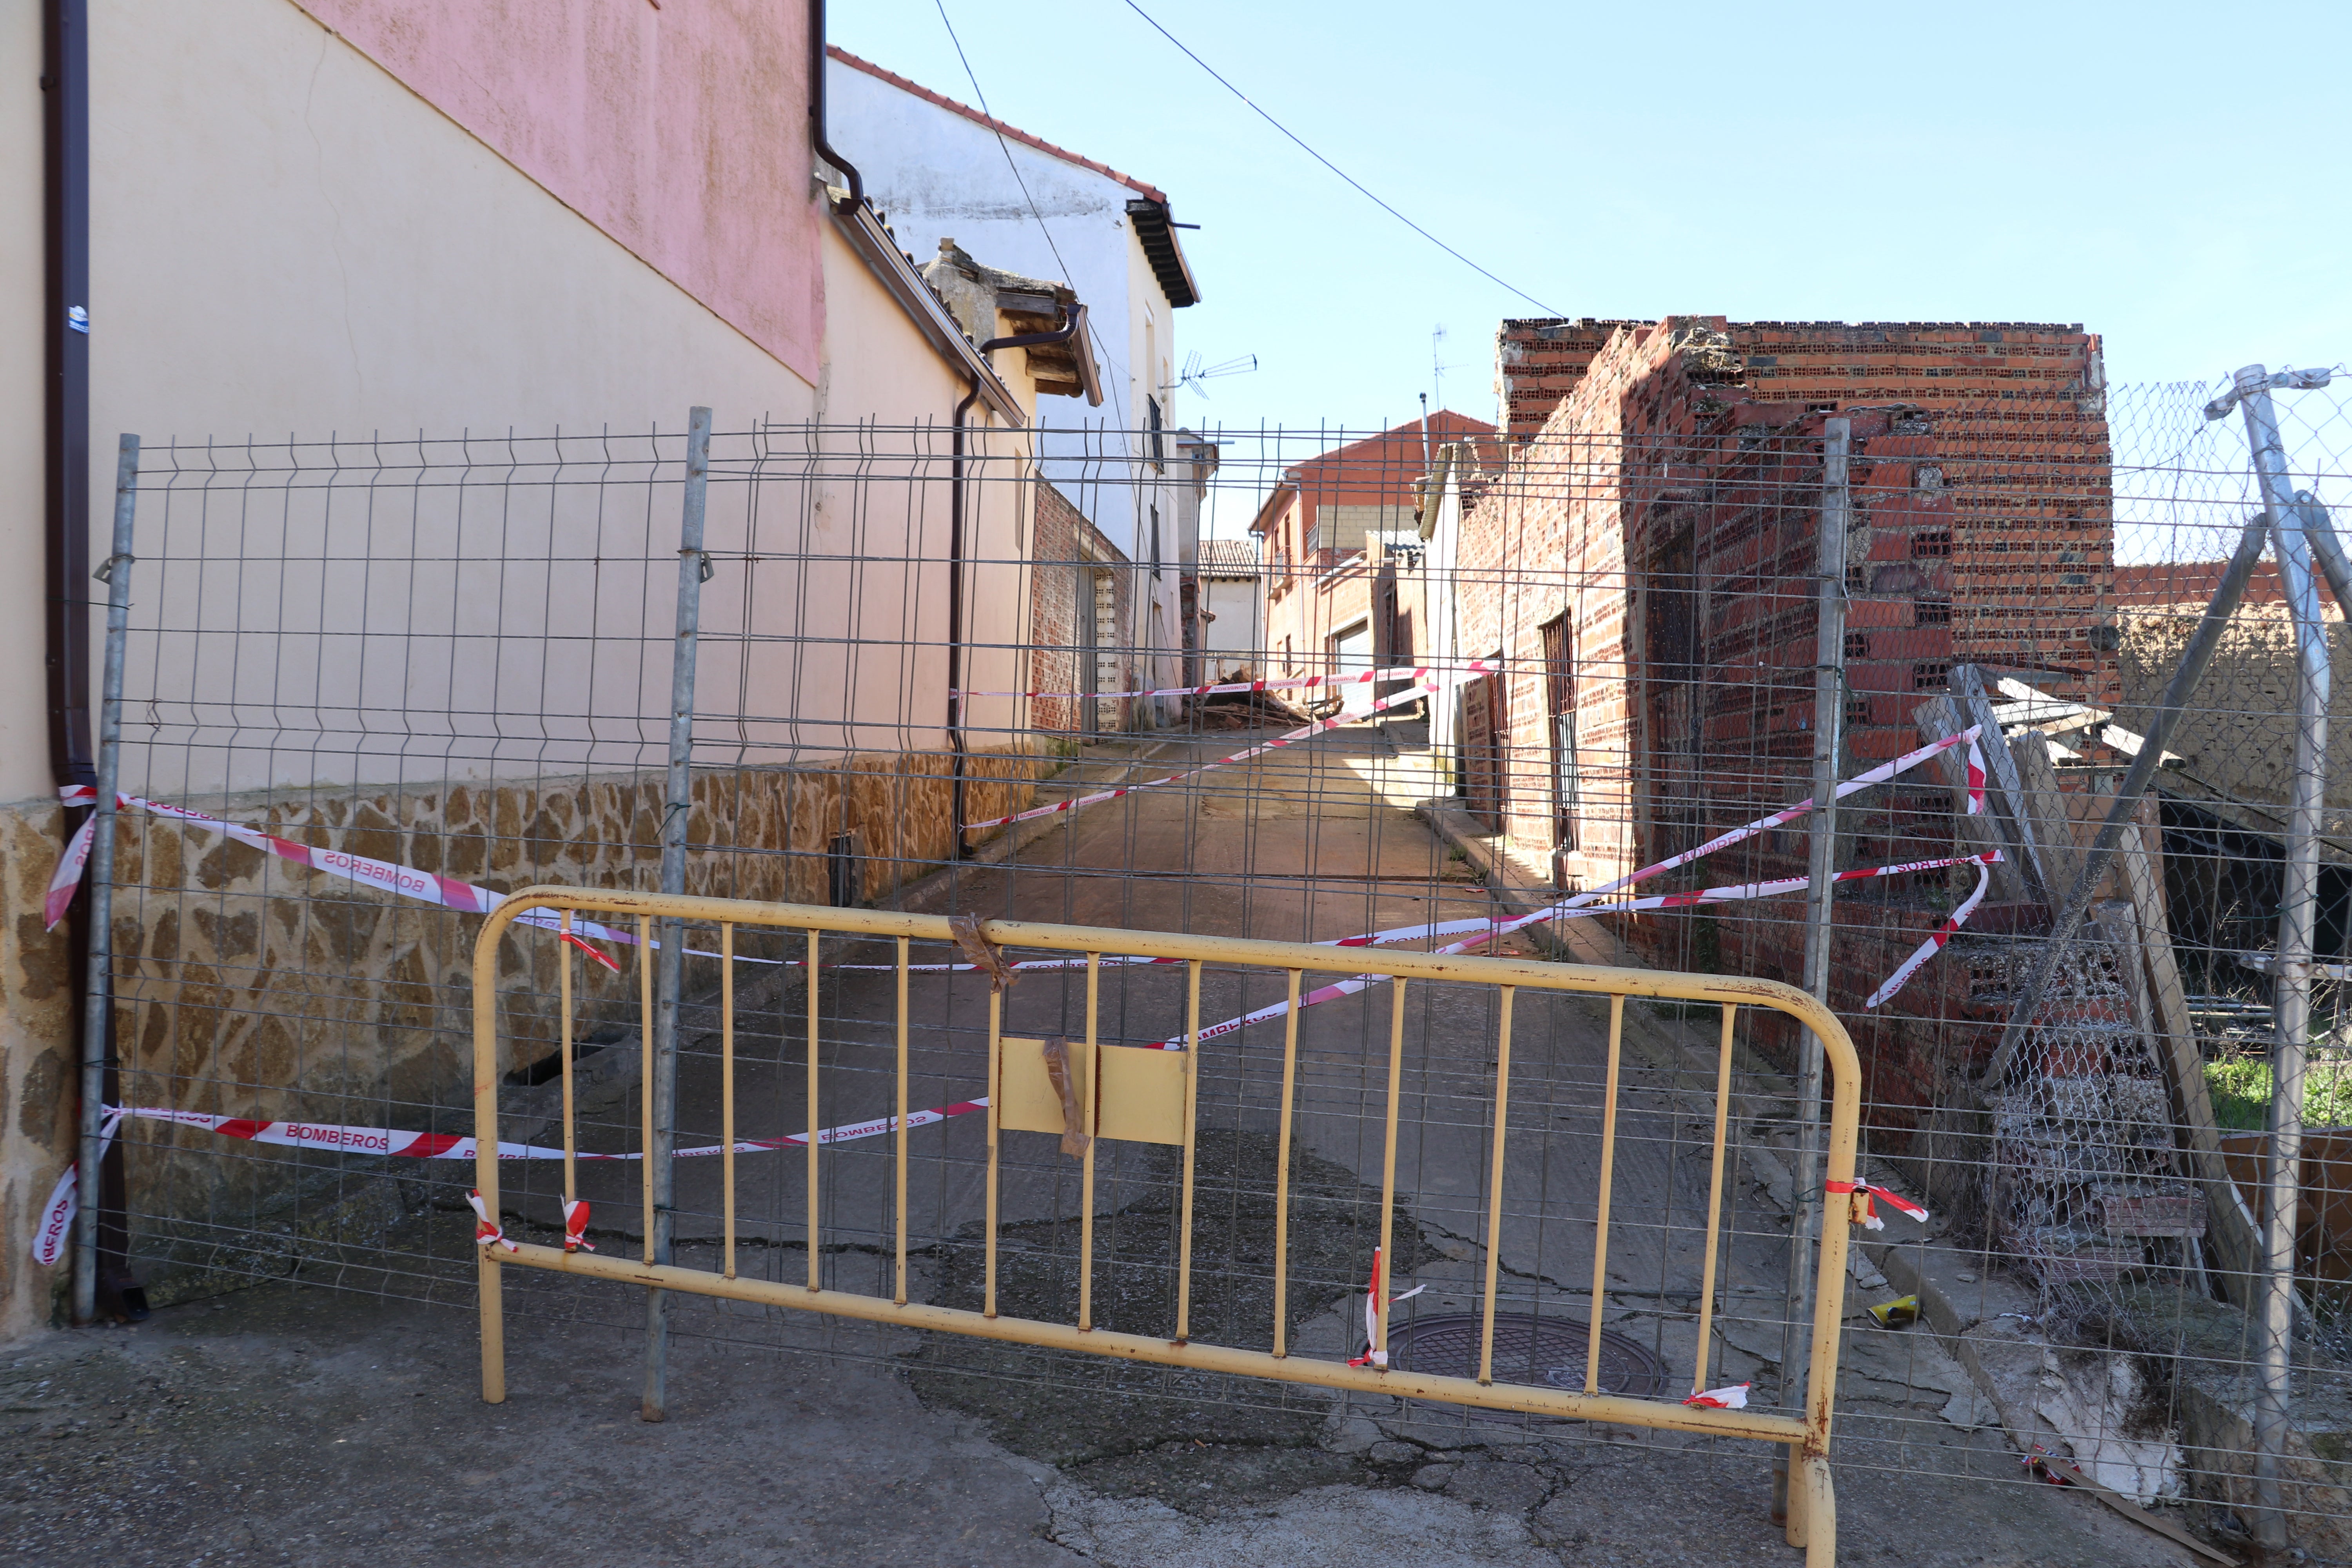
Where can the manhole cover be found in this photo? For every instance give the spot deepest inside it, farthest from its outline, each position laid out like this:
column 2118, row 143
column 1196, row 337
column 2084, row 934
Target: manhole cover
column 1545, row 1351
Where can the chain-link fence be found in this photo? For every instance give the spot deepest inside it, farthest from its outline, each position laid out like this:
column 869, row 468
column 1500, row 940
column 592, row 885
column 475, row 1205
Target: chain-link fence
column 1553, row 688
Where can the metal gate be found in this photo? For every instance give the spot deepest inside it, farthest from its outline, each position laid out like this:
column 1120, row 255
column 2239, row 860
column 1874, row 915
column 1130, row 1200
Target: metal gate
column 1088, row 1091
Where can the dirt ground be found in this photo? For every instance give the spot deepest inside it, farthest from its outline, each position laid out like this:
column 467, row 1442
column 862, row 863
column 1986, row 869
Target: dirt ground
column 302, row 1424
column 288, row 1426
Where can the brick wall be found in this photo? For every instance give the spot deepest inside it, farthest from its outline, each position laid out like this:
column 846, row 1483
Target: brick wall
column 1668, row 506
column 1072, row 559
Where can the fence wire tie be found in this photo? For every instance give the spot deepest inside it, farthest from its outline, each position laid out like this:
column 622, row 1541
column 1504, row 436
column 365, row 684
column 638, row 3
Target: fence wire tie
column 105, row 573
column 704, row 570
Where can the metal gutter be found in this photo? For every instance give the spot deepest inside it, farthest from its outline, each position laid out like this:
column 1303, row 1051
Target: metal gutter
column 65, row 333
column 879, row 250
column 818, row 137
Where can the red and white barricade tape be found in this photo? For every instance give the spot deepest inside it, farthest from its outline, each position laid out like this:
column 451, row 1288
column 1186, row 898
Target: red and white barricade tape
column 1581, row 904
column 486, row 1229
column 425, row 886
column 1868, row 1215
column 1935, row 941
column 1373, row 1355
column 575, row 1226
column 1305, row 732
column 1489, row 929
column 56, row 1216
column 1732, row 1398
column 1420, row 673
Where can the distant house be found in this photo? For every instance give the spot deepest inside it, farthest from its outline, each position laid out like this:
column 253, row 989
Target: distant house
column 1233, row 608
column 952, row 176
column 1333, row 533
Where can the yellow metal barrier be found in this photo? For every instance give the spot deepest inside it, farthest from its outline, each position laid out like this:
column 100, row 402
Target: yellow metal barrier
column 1125, row 1092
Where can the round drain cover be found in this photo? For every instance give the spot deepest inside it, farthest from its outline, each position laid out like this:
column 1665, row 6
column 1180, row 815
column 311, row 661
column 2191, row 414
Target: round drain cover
column 1545, row 1351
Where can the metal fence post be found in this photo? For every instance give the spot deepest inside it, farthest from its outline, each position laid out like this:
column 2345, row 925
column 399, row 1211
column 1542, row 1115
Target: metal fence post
column 693, row 568
column 2292, row 998
column 98, row 998
column 1821, row 865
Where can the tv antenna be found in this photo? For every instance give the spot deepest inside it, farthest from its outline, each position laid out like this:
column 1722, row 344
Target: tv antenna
column 1436, row 364
column 1195, row 372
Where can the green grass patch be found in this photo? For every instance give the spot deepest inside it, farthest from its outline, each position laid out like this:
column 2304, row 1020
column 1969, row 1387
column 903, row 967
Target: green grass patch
column 2241, row 1087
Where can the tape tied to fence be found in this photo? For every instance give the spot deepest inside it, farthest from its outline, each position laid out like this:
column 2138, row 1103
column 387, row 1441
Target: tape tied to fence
column 56, row 1216
column 1868, row 1215
column 1732, row 1398
column 486, row 1229
column 1373, row 1355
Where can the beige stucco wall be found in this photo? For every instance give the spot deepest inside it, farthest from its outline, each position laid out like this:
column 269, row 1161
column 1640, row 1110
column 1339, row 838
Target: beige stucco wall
column 286, row 239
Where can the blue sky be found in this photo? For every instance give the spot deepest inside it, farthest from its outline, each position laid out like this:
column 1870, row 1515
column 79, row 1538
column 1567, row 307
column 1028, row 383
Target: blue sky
column 2172, row 176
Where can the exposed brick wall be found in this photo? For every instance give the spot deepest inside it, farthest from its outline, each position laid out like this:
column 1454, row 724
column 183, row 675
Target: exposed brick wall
column 1070, row 556
column 1668, row 505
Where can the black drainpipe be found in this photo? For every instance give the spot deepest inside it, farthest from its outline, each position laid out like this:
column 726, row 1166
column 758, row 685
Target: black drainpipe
column 65, row 568
column 817, row 109
column 1074, row 321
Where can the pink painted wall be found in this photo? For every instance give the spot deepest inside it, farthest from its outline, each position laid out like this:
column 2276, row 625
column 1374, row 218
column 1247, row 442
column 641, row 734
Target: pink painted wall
column 681, row 132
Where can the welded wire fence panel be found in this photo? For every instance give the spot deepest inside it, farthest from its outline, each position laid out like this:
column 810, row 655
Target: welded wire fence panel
column 1533, row 671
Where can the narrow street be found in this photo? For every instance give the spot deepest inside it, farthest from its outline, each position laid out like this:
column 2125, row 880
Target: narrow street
column 325, row 1421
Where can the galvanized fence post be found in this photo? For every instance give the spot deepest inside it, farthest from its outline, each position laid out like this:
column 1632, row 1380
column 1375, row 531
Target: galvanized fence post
column 1820, row 867
column 98, row 997
column 661, row 1080
column 2292, row 999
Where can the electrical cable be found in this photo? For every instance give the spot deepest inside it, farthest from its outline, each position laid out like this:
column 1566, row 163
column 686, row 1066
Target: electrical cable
column 1335, row 168
column 973, row 78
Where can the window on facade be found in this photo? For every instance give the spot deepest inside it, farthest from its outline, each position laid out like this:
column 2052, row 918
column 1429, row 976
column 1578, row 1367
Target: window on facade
column 1152, row 428
column 1155, row 540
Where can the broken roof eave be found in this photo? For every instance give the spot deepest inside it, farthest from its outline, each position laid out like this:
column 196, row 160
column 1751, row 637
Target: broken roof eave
column 895, row 269
column 1157, row 233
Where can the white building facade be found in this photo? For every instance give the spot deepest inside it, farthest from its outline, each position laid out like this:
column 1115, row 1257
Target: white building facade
column 945, row 171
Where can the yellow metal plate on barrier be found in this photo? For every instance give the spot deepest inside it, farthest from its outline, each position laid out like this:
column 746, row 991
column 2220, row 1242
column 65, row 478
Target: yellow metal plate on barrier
column 1030, row 1104
column 1141, row 1099
column 1142, row 1095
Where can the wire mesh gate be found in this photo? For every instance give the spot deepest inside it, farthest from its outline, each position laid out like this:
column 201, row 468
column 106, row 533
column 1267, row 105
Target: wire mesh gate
column 1091, row 1091
column 446, row 659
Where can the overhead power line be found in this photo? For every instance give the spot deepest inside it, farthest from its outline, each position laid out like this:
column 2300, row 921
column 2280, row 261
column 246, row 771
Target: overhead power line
column 1335, row 168
column 1010, row 163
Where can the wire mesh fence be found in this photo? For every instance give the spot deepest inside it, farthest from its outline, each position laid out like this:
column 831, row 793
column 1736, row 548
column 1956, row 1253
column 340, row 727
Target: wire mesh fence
column 1552, row 689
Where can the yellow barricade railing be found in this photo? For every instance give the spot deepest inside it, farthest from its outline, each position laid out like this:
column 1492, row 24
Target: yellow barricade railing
column 1125, row 1092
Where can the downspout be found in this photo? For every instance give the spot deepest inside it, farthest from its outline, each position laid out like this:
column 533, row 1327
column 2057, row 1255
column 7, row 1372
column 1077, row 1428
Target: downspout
column 65, row 581
column 1073, row 325
column 816, row 109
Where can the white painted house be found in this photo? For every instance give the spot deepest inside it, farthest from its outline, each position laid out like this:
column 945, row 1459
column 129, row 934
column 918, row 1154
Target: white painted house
column 941, row 172
column 1233, row 605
